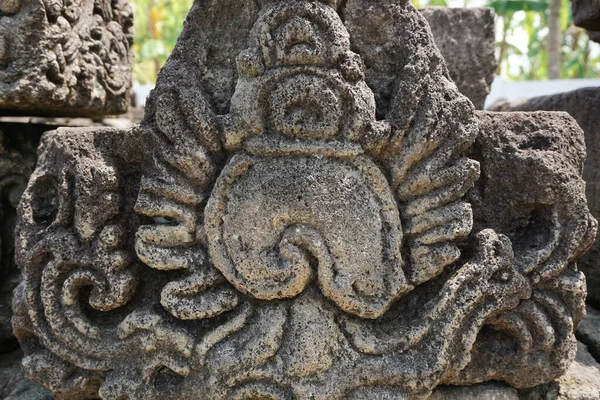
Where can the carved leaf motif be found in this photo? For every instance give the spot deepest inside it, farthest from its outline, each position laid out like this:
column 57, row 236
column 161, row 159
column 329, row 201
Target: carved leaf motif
column 199, row 296
column 432, row 126
column 300, row 220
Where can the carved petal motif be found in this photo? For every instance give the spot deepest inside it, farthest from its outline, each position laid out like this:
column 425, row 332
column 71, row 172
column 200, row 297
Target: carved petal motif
column 303, row 225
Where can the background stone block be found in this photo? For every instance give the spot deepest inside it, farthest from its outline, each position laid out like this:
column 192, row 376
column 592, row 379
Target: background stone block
column 586, row 14
column 65, row 58
column 466, row 38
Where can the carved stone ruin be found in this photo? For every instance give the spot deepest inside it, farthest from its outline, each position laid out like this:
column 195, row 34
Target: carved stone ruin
column 57, row 58
column 586, row 14
column 309, row 210
column 65, row 57
column 584, row 106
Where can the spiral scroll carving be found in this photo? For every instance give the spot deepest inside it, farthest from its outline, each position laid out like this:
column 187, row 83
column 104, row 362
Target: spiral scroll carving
column 290, row 233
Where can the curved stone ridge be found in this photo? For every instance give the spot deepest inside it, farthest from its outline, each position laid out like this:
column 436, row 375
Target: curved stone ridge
column 66, row 58
column 307, row 222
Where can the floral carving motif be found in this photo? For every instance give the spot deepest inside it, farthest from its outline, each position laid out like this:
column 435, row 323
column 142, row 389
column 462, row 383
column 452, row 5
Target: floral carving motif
column 73, row 56
column 294, row 244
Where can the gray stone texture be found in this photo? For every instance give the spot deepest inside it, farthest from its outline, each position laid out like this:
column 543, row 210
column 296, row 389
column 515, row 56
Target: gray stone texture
column 65, row 57
column 14, row 385
column 467, row 40
column 484, row 391
column 580, row 382
column 531, row 191
column 327, row 217
column 586, row 14
column 584, row 106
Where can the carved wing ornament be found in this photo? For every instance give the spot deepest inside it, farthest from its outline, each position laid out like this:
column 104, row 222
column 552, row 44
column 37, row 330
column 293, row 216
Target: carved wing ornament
column 291, row 239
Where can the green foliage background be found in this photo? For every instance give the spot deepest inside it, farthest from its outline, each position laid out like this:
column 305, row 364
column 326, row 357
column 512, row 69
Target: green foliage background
column 157, row 26
column 159, row 22
column 528, row 19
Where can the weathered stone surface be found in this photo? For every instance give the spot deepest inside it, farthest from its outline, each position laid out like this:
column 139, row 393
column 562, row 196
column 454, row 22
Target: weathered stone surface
column 297, row 224
column 584, row 106
column 18, row 145
column 484, row 391
column 581, row 382
column 586, row 14
column 466, row 38
column 532, row 192
column 65, row 58
column 14, row 385
column 588, row 331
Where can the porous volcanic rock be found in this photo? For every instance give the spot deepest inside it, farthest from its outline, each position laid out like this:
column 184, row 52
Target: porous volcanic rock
column 580, row 382
column 14, row 385
column 65, row 58
column 318, row 219
column 584, row 106
column 466, row 38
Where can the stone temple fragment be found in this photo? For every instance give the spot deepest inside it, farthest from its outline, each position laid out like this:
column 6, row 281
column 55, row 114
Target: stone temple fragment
column 65, row 57
column 59, row 58
column 584, row 106
column 309, row 210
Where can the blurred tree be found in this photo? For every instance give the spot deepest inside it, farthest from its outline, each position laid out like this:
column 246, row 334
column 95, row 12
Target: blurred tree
column 575, row 58
column 506, row 11
column 554, row 48
column 157, row 26
column 555, row 39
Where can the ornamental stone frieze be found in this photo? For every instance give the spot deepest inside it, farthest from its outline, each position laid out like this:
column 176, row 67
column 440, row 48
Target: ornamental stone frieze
column 309, row 210
column 65, row 57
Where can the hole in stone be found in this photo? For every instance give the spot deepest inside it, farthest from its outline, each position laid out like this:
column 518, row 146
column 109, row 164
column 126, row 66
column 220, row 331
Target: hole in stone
column 165, row 221
column 538, row 231
column 537, row 143
column 45, row 200
column 165, row 378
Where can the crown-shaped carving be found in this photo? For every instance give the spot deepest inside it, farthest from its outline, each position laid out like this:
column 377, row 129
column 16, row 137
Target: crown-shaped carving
column 295, row 219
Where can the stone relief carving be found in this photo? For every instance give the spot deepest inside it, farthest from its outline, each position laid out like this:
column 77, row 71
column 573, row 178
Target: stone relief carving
column 65, row 57
column 298, row 227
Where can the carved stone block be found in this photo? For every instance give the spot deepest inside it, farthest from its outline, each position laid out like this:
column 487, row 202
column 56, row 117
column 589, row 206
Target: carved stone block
column 586, row 14
column 65, row 57
column 584, row 106
column 466, row 38
column 314, row 221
